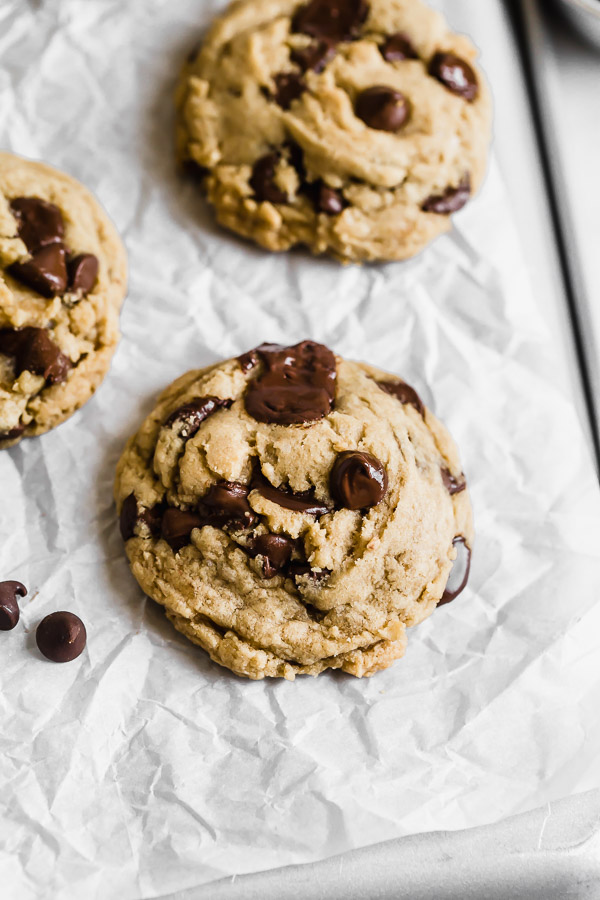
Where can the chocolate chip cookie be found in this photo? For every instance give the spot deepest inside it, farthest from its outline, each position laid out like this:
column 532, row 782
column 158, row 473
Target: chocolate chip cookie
column 354, row 127
column 62, row 282
column 295, row 512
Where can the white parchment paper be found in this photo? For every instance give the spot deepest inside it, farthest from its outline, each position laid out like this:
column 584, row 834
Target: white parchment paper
column 143, row 768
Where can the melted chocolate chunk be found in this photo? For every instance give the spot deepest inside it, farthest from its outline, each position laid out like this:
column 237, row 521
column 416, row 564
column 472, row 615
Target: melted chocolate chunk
column 398, row 47
column 276, row 550
column 297, row 385
column 34, row 351
column 130, row 516
column 45, row 272
column 289, row 86
column 61, row 637
column 314, row 57
column 189, row 417
column 404, row 393
column 82, row 272
column 248, row 360
column 453, row 484
column 39, row 223
column 358, row 480
column 304, row 502
column 453, row 199
column 383, row 108
column 262, row 180
column 331, row 20
column 226, row 504
column 459, row 574
column 455, row 74
column 9, row 605
column 177, row 526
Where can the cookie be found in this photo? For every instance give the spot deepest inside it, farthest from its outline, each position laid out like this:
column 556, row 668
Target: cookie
column 63, row 275
column 295, row 512
column 354, row 127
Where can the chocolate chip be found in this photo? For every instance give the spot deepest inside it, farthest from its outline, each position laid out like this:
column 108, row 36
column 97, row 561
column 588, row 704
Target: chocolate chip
column 358, row 480
column 453, row 484
column 39, row 223
column 276, row 550
column 262, row 180
column 152, row 518
column 45, row 272
column 297, row 385
column 177, row 526
column 226, row 504
column 289, row 86
column 295, row 155
column 453, row 199
column 459, row 574
column 189, row 417
column 194, row 170
column 82, row 272
column 404, row 393
column 300, row 570
column 9, row 605
column 128, row 518
column 34, row 351
column 304, row 502
column 61, row 637
column 248, row 360
column 15, row 432
column 455, row 74
column 314, row 57
column 326, row 199
column 383, row 108
column 331, row 20
column 398, row 47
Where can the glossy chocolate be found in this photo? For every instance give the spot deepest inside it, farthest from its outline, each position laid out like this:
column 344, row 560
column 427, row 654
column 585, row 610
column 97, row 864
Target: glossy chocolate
column 383, row 108
column 455, row 74
column 177, row 526
column 61, row 637
column 276, row 551
column 262, row 180
column 298, row 502
column 453, row 484
column 357, row 480
column 398, row 47
column 314, row 57
column 459, row 574
column 82, row 272
column 404, row 393
column 45, row 271
column 331, row 20
column 226, row 504
column 39, row 223
column 188, row 418
column 34, row 351
column 9, row 604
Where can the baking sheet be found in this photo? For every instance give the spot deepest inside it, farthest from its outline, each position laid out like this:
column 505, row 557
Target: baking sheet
column 143, row 768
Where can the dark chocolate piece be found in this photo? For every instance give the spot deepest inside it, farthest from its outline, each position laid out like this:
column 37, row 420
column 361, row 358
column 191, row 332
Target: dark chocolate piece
column 35, row 351
column 404, row 393
column 383, row 108
column 61, row 637
column 177, row 526
column 451, row 200
column 226, row 505
column 459, row 574
column 314, row 57
column 398, row 47
column 276, row 550
column 304, row 502
column 331, row 20
column 39, row 223
column 82, row 271
column 189, row 417
column 45, row 272
column 455, row 74
column 262, row 180
column 289, row 86
column 297, row 385
column 358, row 480
column 453, row 484
column 9, row 605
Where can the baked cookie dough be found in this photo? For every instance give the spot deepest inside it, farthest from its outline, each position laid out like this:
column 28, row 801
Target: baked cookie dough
column 63, row 275
column 354, row 127
column 294, row 512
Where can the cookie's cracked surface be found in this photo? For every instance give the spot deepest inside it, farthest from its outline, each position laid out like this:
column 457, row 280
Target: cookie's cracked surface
column 62, row 282
column 355, row 127
column 285, row 549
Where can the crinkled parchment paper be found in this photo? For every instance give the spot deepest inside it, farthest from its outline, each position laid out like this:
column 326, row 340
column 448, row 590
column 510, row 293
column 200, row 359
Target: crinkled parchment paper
column 143, row 768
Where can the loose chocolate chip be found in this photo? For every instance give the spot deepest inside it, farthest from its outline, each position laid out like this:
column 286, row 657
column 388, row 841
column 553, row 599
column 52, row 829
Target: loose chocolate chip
column 34, row 351
column 404, row 393
column 39, row 223
column 276, row 550
column 453, row 199
column 304, row 502
column 189, row 417
column 177, row 526
column 383, row 108
column 82, row 271
column 455, row 74
column 61, row 637
column 9, row 605
column 289, row 86
column 453, row 484
column 459, row 574
column 128, row 517
column 248, row 360
column 45, row 272
column 226, row 504
column 326, row 199
column 297, row 385
column 262, row 180
column 398, row 47
column 358, row 480
column 314, row 57
column 331, row 20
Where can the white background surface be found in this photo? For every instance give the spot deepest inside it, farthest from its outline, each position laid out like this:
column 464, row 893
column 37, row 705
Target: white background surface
column 142, row 768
